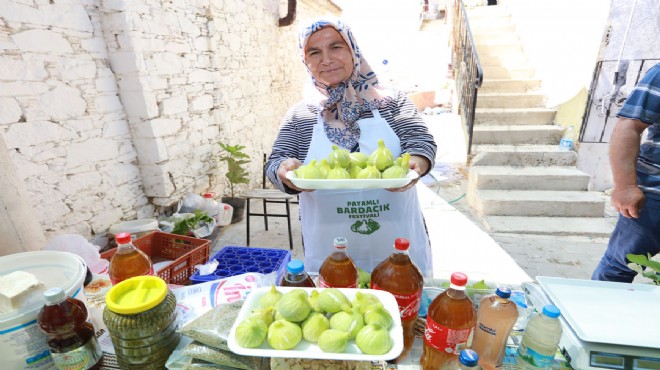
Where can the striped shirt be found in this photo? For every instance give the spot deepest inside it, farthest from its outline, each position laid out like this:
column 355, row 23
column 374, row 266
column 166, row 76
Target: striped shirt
column 643, row 104
column 296, row 129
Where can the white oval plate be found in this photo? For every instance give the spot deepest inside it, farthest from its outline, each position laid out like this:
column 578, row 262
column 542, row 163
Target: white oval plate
column 351, row 183
column 306, row 349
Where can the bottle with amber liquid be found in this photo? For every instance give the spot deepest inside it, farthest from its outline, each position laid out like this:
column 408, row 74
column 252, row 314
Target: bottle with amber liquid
column 71, row 337
column 496, row 316
column 398, row 275
column 450, row 323
column 128, row 261
column 338, row 270
column 296, row 276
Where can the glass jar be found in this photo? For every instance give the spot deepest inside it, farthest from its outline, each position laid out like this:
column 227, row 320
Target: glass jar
column 140, row 314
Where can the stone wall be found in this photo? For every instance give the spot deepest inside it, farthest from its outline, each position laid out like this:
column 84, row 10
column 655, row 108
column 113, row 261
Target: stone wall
column 111, row 110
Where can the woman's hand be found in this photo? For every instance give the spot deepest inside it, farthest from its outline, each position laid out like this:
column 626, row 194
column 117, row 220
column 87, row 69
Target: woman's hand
column 418, row 164
column 287, row 165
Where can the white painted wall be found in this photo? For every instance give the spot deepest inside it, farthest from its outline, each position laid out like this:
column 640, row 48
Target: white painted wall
column 111, row 110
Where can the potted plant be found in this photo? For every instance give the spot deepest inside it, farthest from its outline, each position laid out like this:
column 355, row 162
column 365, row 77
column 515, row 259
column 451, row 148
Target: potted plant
column 236, row 174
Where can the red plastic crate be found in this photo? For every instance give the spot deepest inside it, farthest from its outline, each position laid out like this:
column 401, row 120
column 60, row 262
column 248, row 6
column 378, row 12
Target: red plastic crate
column 185, row 251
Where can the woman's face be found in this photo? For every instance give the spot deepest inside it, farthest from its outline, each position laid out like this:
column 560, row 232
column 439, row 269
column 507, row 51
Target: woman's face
column 328, row 57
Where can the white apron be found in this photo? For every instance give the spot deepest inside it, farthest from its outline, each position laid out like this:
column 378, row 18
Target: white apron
column 370, row 219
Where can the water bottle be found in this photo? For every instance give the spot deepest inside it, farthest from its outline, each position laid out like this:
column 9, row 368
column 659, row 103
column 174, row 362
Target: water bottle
column 566, row 142
column 539, row 342
column 496, row 316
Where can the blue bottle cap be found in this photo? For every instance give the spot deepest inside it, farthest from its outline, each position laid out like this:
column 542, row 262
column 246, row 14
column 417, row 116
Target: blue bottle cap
column 551, row 311
column 469, row 358
column 295, row 267
column 503, row 292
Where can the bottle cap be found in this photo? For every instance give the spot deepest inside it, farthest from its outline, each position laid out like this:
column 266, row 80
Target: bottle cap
column 135, row 295
column 295, row 266
column 208, row 195
column 123, row 238
column 401, row 244
column 551, row 311
column 459, row 278
column 54, row 295
column 503, row 292
column 340, row 242
column 469, row 358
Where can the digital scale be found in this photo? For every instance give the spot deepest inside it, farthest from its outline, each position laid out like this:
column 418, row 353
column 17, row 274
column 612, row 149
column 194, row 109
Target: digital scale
column 606, row 325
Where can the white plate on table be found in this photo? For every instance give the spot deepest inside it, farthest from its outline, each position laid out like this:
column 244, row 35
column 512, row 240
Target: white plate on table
column 351, row 183
column 306, row 349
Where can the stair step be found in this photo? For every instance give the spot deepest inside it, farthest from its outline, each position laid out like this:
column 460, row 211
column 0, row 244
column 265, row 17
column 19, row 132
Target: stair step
column 487, row 11
column 492, row 24
column 568, row 226
column 493, row 48
column 522, row 155
column 517, row 134
column 510, row 100
column 500, row 38
column 507, row 60
column 537, row 203
column 509, row 85
column 528, row 178
column 497, row 72
column 511, row 116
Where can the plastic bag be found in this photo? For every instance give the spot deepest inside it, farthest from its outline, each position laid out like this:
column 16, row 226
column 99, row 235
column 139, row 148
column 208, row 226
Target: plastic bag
column 78, row 245
column 216, row 356
column 212, row 328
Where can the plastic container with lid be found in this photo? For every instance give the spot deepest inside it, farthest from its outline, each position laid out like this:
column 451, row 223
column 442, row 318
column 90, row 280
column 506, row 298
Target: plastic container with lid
column 140, row 314
column 296, row 276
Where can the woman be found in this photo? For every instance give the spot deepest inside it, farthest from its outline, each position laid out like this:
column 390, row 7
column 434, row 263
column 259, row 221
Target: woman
column 348, row 108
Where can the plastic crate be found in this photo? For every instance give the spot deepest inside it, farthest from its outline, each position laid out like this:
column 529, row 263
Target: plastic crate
column 239, row 260
column 184, row 251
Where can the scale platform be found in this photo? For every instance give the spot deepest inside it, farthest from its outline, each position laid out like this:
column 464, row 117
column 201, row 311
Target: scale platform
column 607, row 325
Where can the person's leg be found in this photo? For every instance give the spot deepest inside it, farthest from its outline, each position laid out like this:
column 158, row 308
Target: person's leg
column 630, row 236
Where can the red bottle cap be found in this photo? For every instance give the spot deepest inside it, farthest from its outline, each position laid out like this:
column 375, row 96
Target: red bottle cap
column 123, row 238
column 459, row 278
column 401, row 244
column 208, row 195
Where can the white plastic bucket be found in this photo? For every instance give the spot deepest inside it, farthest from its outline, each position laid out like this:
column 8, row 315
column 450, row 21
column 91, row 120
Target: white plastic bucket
column 22, row 344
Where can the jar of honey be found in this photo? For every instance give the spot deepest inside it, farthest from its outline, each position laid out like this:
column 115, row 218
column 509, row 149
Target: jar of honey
column 140, row 314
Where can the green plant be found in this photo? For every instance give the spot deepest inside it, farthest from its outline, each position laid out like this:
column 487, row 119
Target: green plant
column 640, row 261
column 185, row 226
column 235, row 158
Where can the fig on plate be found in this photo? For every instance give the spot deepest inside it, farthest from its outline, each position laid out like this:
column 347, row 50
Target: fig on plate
column 373, row 340
column 338, row 173
column 377, row 314
column 271, row 298
column 315, row 324
column 339, row 157
column 283, row 335
column 349, row 322
column 334, row 341
column 382, row 157
column 359, row 159
column 332, row 300
column 369, row 172
column 294, row 306
column 308, row 171
column 251, row 332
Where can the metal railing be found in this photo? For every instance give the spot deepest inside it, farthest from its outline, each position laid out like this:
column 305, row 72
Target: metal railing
column 466, row 68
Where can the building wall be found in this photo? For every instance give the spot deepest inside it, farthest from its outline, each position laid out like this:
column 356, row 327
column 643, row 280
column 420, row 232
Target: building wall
column 112, row 110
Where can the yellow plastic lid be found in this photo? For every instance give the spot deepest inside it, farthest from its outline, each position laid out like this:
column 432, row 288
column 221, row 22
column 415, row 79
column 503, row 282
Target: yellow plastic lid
column 135, row 295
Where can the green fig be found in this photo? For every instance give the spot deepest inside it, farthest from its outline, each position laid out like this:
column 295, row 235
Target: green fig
column 359, row 159
column 364, row 300
column 394, row 172
column 324, row 167
column 294, row 306
column 333, row 341
column 264, row 314
column 271, row 298
column 284, row 335
column 353, row 170
column 332, row 300
column 250, row 333
column 314, row 301
column 373, row 340
column 370, row 172
column 377, row 314
column 315, row 324
column 349, row 322
column 339, row 156
column 338, row 172
column 382, row 157
column 308, row 171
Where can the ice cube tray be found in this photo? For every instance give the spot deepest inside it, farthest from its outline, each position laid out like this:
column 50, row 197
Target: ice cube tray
column 234, row 260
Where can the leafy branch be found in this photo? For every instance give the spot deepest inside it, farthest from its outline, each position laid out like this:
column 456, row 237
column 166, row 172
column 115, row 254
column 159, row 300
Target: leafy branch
column 235, row 158
column 185, row 226
column 639, row 262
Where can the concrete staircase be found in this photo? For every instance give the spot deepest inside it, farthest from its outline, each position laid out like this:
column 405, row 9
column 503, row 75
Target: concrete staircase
column 519, row 180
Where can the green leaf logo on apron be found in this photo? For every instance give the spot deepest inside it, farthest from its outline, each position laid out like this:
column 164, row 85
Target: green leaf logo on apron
column 365, row 227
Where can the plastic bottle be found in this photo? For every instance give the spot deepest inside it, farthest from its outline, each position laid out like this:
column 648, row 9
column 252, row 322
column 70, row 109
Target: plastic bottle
column 566, row 142
column 496, row 316
column 296, row 276
column 338, row 270
column 71, row 338
column 211, row 207
column 450, row 323
column 398, row 275
column 540, row 340
column 128, row 261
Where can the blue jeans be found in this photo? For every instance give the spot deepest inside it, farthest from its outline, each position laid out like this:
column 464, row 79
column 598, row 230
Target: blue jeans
column 630, row 236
